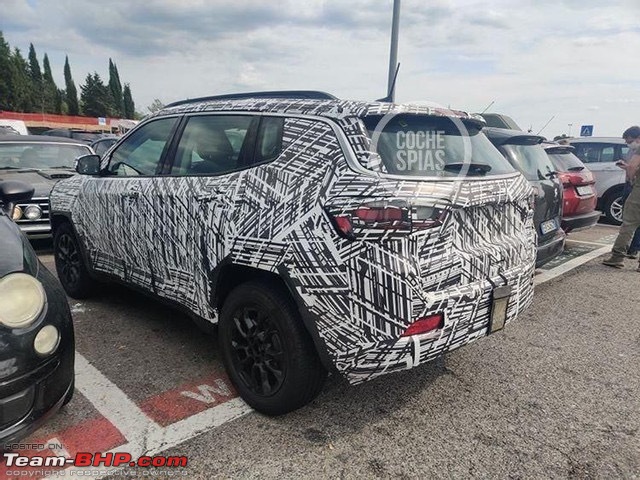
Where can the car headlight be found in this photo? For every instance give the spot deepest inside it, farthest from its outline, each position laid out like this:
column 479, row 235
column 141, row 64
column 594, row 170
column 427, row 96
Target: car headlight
column 33, row 212
column 17, row 213
column 22, row 298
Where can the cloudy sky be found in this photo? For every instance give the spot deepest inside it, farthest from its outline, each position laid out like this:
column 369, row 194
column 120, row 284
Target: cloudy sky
column 573, row 59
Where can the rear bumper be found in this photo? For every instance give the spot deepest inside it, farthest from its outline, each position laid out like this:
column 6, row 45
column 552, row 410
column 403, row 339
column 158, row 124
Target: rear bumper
column 467, row 315
column 36, row 231
column 550, row 249
column 580, row 222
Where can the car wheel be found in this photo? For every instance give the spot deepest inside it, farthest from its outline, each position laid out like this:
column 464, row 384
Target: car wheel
column 613, row 207
column 268, row 354
column 72, row 271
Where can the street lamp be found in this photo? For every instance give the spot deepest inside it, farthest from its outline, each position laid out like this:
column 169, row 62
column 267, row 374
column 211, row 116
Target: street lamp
column 570, row 125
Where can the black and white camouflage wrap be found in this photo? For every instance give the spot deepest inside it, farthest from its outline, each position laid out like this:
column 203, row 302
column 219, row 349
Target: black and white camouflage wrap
column 167, row 234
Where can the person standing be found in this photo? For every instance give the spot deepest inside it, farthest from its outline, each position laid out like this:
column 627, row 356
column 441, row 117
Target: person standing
column 631, row 211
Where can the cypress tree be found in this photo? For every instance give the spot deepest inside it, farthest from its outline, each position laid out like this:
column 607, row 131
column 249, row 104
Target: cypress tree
column 95, row 97
column 21, row 83
column 115, row 87
column 71, row 93
column 129, row 106
column 35, row 75
column 49, row 88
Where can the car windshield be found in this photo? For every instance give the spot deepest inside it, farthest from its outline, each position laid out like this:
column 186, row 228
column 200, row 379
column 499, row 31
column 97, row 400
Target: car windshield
column 23, row 155
column 566, row 162
column 427, row 146
column 532, row 161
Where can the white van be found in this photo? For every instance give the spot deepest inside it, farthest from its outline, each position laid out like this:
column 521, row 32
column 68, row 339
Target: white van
column 18, row 125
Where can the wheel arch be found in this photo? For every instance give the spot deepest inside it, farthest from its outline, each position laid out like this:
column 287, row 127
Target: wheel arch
column 229, row 275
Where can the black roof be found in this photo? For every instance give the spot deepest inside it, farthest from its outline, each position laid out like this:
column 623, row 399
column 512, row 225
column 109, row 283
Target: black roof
column 289, row 94
column 39, row 139
column 504, row 136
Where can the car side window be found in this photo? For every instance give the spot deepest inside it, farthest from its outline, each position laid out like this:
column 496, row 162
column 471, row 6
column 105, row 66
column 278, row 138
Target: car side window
column 211, row 144
column 141, row 152
column 588, row 153
column 607, row 154
column 269, row 141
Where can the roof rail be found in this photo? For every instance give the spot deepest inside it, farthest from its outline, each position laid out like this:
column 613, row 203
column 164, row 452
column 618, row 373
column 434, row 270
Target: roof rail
column 289, row 94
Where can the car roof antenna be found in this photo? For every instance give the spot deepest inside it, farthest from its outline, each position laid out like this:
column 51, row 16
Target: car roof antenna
column 392, row 89
column 545, row 125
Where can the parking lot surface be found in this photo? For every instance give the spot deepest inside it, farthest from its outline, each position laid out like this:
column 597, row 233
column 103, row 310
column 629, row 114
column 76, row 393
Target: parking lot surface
column 553, row 395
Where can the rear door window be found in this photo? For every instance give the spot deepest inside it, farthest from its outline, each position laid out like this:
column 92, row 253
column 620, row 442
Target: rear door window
column 212, row 144
column 426, row 146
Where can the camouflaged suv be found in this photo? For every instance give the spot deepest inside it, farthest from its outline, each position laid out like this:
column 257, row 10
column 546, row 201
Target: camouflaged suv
column 319, row 234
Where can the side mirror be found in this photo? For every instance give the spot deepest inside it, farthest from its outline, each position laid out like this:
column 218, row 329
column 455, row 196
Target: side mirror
column 88, row 165
column 12, row 192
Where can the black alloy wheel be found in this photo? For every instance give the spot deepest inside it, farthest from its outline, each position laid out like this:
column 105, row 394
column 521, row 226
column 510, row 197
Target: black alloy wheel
column 70, row 265
column 267, row 352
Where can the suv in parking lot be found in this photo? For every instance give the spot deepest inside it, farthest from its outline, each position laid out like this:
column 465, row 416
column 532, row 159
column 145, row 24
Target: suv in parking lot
column 364, row 238
column 600, row 155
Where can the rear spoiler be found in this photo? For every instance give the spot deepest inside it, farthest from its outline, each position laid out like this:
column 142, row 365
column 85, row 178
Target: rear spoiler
column 520, row 140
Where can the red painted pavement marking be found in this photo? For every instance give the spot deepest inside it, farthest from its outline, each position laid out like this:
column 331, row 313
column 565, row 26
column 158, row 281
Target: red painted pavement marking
column 93, row 435
column 189, row 399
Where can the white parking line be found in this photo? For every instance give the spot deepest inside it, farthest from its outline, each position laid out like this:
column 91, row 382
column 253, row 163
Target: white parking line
column 112, row 402
column 583, row 242
column 547, row 275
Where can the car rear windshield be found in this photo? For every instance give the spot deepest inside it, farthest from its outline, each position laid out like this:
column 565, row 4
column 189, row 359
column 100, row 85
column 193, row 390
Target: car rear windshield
column 566, row 162
column 16, row 156
column 531, row 160
column 426, row 146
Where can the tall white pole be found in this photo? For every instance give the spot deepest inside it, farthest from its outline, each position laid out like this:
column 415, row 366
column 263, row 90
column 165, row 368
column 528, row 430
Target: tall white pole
column 393, row 54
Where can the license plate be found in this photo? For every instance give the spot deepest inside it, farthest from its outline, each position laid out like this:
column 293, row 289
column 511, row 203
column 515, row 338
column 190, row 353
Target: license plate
column 548, row 226
column 585, row 190
column 499, row 308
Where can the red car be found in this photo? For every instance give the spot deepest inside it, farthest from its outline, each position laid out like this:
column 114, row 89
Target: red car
column 580, row 196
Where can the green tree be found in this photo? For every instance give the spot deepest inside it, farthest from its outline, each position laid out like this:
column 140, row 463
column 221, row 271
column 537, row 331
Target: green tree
column 49, row 88
column 6, row 88
column 35, row 74
column 21, row 83
column 71, row 93
column 129, row 106
column 115, row 87
column 95, row 97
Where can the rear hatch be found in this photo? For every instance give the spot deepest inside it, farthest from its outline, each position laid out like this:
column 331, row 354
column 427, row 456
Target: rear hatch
column 525, row 153
column 443, row 185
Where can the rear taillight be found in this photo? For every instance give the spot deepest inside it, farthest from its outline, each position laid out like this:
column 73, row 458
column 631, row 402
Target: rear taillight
column 575, row 179
column 396, row 216
column 425, row 325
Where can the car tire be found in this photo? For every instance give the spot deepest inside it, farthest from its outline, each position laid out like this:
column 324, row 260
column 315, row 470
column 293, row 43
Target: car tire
column 69, row 395
column 269, row 356
column 613, row 207
column 72, row 271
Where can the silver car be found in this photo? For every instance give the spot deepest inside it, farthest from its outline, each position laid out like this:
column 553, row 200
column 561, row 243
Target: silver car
column 600, row 154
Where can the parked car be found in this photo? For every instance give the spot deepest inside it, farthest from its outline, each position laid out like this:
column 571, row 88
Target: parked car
column 101, row 145
column 287, row 219
column 41, row 162
column 580, row 196
column 36, row 331
column 8, row 130
column 600, row 155
column 85, row 136
column 525, row 153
